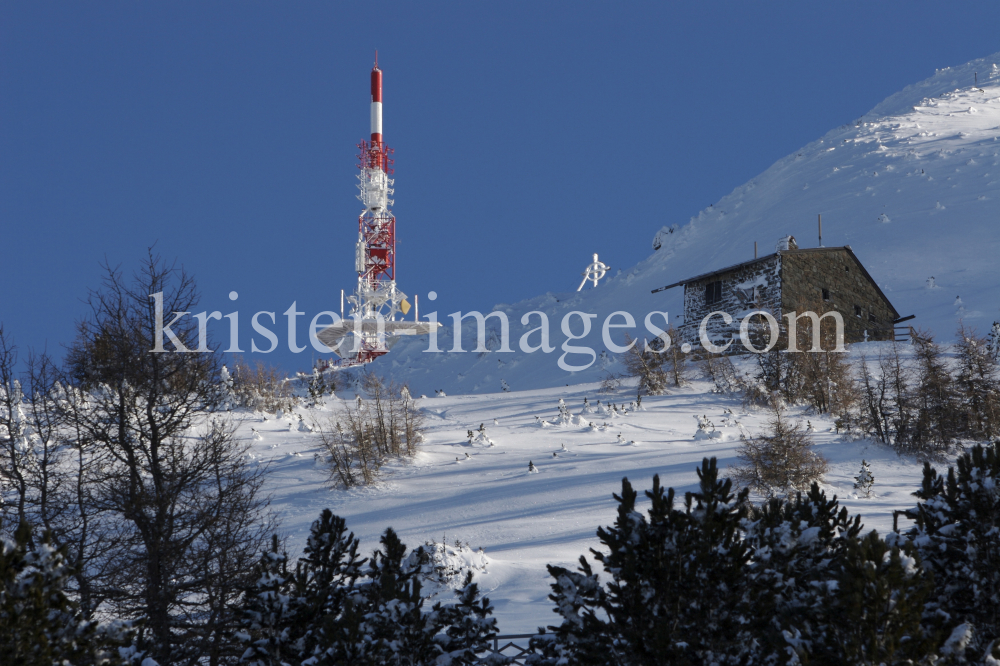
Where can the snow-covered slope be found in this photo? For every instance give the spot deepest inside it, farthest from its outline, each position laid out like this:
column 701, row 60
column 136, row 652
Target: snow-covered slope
column 486, row 497
column 913, row 187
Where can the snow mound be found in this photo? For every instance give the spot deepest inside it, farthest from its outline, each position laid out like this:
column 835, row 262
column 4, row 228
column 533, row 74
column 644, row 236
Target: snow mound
column 446, row 566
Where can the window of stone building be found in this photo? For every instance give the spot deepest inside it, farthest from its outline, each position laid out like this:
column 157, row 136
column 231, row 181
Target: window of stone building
column 857, row 311
column 826, row 294
column 871, row 317
column 713, row 292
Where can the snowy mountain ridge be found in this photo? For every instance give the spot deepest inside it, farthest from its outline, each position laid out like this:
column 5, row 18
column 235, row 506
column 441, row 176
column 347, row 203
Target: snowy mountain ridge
column 913, row 187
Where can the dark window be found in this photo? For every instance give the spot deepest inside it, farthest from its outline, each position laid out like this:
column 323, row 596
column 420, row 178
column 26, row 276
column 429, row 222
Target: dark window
column 713, row 293
column 857, row 310
column 847, row 269
column 826, row 294
column 871, row 317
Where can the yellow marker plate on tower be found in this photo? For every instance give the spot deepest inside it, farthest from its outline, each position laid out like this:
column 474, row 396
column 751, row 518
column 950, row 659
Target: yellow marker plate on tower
column 404, row 305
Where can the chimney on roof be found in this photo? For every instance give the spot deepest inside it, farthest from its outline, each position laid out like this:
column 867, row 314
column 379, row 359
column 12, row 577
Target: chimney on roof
column 787, row 243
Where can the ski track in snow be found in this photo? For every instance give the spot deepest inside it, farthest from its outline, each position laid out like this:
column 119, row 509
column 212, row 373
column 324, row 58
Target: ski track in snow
column 525, row 521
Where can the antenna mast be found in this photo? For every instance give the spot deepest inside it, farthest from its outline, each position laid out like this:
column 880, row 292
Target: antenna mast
column 376, row 295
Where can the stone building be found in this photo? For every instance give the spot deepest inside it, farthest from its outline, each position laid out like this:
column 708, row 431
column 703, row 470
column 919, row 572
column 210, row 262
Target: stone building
column 820, row 280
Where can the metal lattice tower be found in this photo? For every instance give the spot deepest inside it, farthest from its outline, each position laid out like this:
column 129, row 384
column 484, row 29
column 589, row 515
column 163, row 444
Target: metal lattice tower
column 376, row 294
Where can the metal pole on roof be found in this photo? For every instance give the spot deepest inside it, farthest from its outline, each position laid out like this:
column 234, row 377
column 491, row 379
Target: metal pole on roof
column 821, row 230
column 755, row 249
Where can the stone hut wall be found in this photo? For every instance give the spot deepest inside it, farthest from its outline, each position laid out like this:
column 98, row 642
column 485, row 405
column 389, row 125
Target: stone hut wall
column 754, row 286
column 806, row 273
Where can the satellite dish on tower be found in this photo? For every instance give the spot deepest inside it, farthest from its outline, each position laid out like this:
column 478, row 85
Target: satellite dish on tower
column 595, row 271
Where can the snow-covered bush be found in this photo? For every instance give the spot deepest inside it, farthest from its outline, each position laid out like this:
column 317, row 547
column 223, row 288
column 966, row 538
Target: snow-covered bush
column 706, row 429
column 864, row 481
column 364, row 434
column 318, row 387
column 564, row 418
column 479, row 437
column 645, row 362
column 780, row 461
column 993, row 341
column 445, row 566
column 261, row 387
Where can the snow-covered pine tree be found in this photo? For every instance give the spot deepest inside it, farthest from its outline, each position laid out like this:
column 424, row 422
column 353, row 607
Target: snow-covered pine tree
column 504, row 386
column 676, row 584
column 956, row 534
column 864, row 481
column 880, row 600
column 318, row 387
column 470, row 627
column 993, row 341
column 272, row 631
column 565, row 418
column 394, row 626
column 978, row 383
column 324, row 587
column 387, row 623
column 229, row 399
column 39, row 623
column 798, row 546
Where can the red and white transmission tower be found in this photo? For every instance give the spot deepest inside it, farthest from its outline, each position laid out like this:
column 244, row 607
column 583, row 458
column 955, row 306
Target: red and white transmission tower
column 375, row 254
column 376, row 302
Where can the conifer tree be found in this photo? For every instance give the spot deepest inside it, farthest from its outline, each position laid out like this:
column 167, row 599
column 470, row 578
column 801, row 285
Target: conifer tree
column 978, row 383
column 333, row 611
column 318, row 387
column 957, row 536
column 270, row 609
column 798, row 546
column 881, row 597
column 937, row 422
column 324, row 583
column 39, row 624
column 864, row 481
column 676, row 592
column 780, row 461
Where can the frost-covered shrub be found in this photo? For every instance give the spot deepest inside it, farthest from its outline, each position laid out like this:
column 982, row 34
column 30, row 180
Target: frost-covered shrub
column 364, row 434
column 780, row 461
column 645, row 362
column 318, row 387
column 261, row 387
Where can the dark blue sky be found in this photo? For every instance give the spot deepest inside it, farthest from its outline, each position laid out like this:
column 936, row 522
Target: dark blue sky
column 527, row 135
